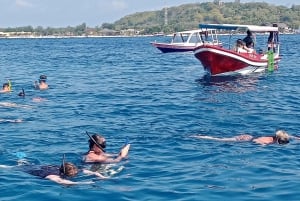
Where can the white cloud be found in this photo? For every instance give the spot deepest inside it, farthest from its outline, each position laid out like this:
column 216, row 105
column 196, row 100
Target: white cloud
column 23, row 4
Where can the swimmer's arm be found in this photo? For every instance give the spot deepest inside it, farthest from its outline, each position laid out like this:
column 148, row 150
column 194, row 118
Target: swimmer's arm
column 123, row 154
column 36, row 85
column 60, row 180
column 105, row 159
column 295, row 137
column 88, row 172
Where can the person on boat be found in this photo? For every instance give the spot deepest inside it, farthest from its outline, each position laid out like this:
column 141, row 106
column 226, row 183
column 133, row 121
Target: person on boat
column 42, row 85
column 60, row 174
column 272, row 41
column 96, row 153
column 241, row 47
column 6, row 87
column 249, row 40
column 280, row 137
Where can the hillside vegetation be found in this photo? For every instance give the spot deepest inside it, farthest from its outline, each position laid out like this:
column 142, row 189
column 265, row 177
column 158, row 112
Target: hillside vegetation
column 188, row 16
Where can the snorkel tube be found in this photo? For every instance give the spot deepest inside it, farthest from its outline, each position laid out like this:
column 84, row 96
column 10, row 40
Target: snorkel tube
column 63, row 167
column 9, row 85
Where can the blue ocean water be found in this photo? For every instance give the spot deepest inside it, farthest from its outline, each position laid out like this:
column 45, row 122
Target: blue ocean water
column 124, row 87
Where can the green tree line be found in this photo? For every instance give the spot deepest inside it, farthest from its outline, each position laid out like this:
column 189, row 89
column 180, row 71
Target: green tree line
column 184, row 17
column 189, row 16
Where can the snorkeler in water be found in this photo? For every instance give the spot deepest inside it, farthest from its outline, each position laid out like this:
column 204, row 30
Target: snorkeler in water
column 42, row 85
column 59, row 174
column 6, row 87
column 96, row 153
column 280, row 137
column 22, row 93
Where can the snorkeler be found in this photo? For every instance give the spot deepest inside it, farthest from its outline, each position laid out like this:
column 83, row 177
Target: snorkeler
column 22, row 93
column 42, row 85
column 6, row 87
column 280, row 137
column 96, row 153
column 59, row 174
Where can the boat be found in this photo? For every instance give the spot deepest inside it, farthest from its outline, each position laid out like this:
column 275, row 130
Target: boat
column 226, row 60
column 186, row 41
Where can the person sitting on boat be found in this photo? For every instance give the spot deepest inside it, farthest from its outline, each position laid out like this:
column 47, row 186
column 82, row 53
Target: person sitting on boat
column 241, row 47
column 249, row 40
column 280, row 137
column 96, row 152
column 42, row 85
column 6, row 88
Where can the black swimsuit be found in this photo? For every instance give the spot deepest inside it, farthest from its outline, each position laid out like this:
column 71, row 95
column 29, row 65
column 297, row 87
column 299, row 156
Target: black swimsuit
column 42, row 171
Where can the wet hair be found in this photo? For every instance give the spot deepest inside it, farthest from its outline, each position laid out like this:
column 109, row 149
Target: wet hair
column 240, row 43
column 5, row 85
column 98, row 140
column 68, row 169
column 43, row 78
column 249, row 33
column 282, row 137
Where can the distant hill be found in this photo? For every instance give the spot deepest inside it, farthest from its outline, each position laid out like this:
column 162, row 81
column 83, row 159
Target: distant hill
column 188, row 16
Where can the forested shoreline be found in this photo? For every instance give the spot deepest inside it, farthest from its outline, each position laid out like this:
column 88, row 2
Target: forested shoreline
column 179, row 18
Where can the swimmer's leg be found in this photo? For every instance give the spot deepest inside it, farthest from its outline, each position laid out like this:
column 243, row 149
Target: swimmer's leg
column 214, row 138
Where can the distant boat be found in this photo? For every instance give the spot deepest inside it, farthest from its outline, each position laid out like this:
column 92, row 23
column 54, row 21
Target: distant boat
column 218, row 60
column 185, row 41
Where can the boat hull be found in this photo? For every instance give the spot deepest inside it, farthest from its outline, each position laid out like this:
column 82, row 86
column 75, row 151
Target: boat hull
column 217, row 60
column 168, row 47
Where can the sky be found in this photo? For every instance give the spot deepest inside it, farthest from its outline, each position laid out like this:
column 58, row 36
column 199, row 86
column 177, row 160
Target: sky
column 63, row 13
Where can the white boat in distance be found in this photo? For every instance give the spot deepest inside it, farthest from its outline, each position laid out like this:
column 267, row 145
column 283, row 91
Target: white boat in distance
column 185, row 41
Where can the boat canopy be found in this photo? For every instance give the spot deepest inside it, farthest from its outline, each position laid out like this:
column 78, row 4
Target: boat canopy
column 194, row 31
column 239, row 27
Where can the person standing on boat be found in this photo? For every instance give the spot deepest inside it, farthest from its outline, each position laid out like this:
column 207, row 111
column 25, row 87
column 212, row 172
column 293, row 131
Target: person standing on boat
column 96, row 153
column 249, row 40
column 42, row 85
column 280, row 137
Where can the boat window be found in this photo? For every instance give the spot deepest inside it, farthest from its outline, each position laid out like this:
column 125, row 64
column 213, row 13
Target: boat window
column 179, row 38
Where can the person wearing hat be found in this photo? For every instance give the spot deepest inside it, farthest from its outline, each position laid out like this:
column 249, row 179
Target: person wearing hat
column 96, row 153
column 280, row 137
column 42, row 85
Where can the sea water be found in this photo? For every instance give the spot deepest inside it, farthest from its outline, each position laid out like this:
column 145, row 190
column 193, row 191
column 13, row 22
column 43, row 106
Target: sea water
column 125, row 88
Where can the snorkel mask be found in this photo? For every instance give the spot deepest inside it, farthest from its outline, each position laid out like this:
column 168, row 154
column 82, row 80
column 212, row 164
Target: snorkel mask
column 282, row 141
column 101, row 146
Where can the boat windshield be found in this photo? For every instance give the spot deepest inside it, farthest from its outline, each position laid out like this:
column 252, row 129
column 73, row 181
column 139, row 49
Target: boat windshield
column 186, row 38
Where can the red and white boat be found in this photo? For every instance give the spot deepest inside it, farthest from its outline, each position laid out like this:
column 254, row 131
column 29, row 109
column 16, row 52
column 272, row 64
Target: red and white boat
column 186, row 41
column 223, row 60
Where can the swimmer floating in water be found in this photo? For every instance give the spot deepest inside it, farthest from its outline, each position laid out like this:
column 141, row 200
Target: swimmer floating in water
column 11, row 120
column 97, row 153
column 280, row 137
column 42, row 85
column 56, row 173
